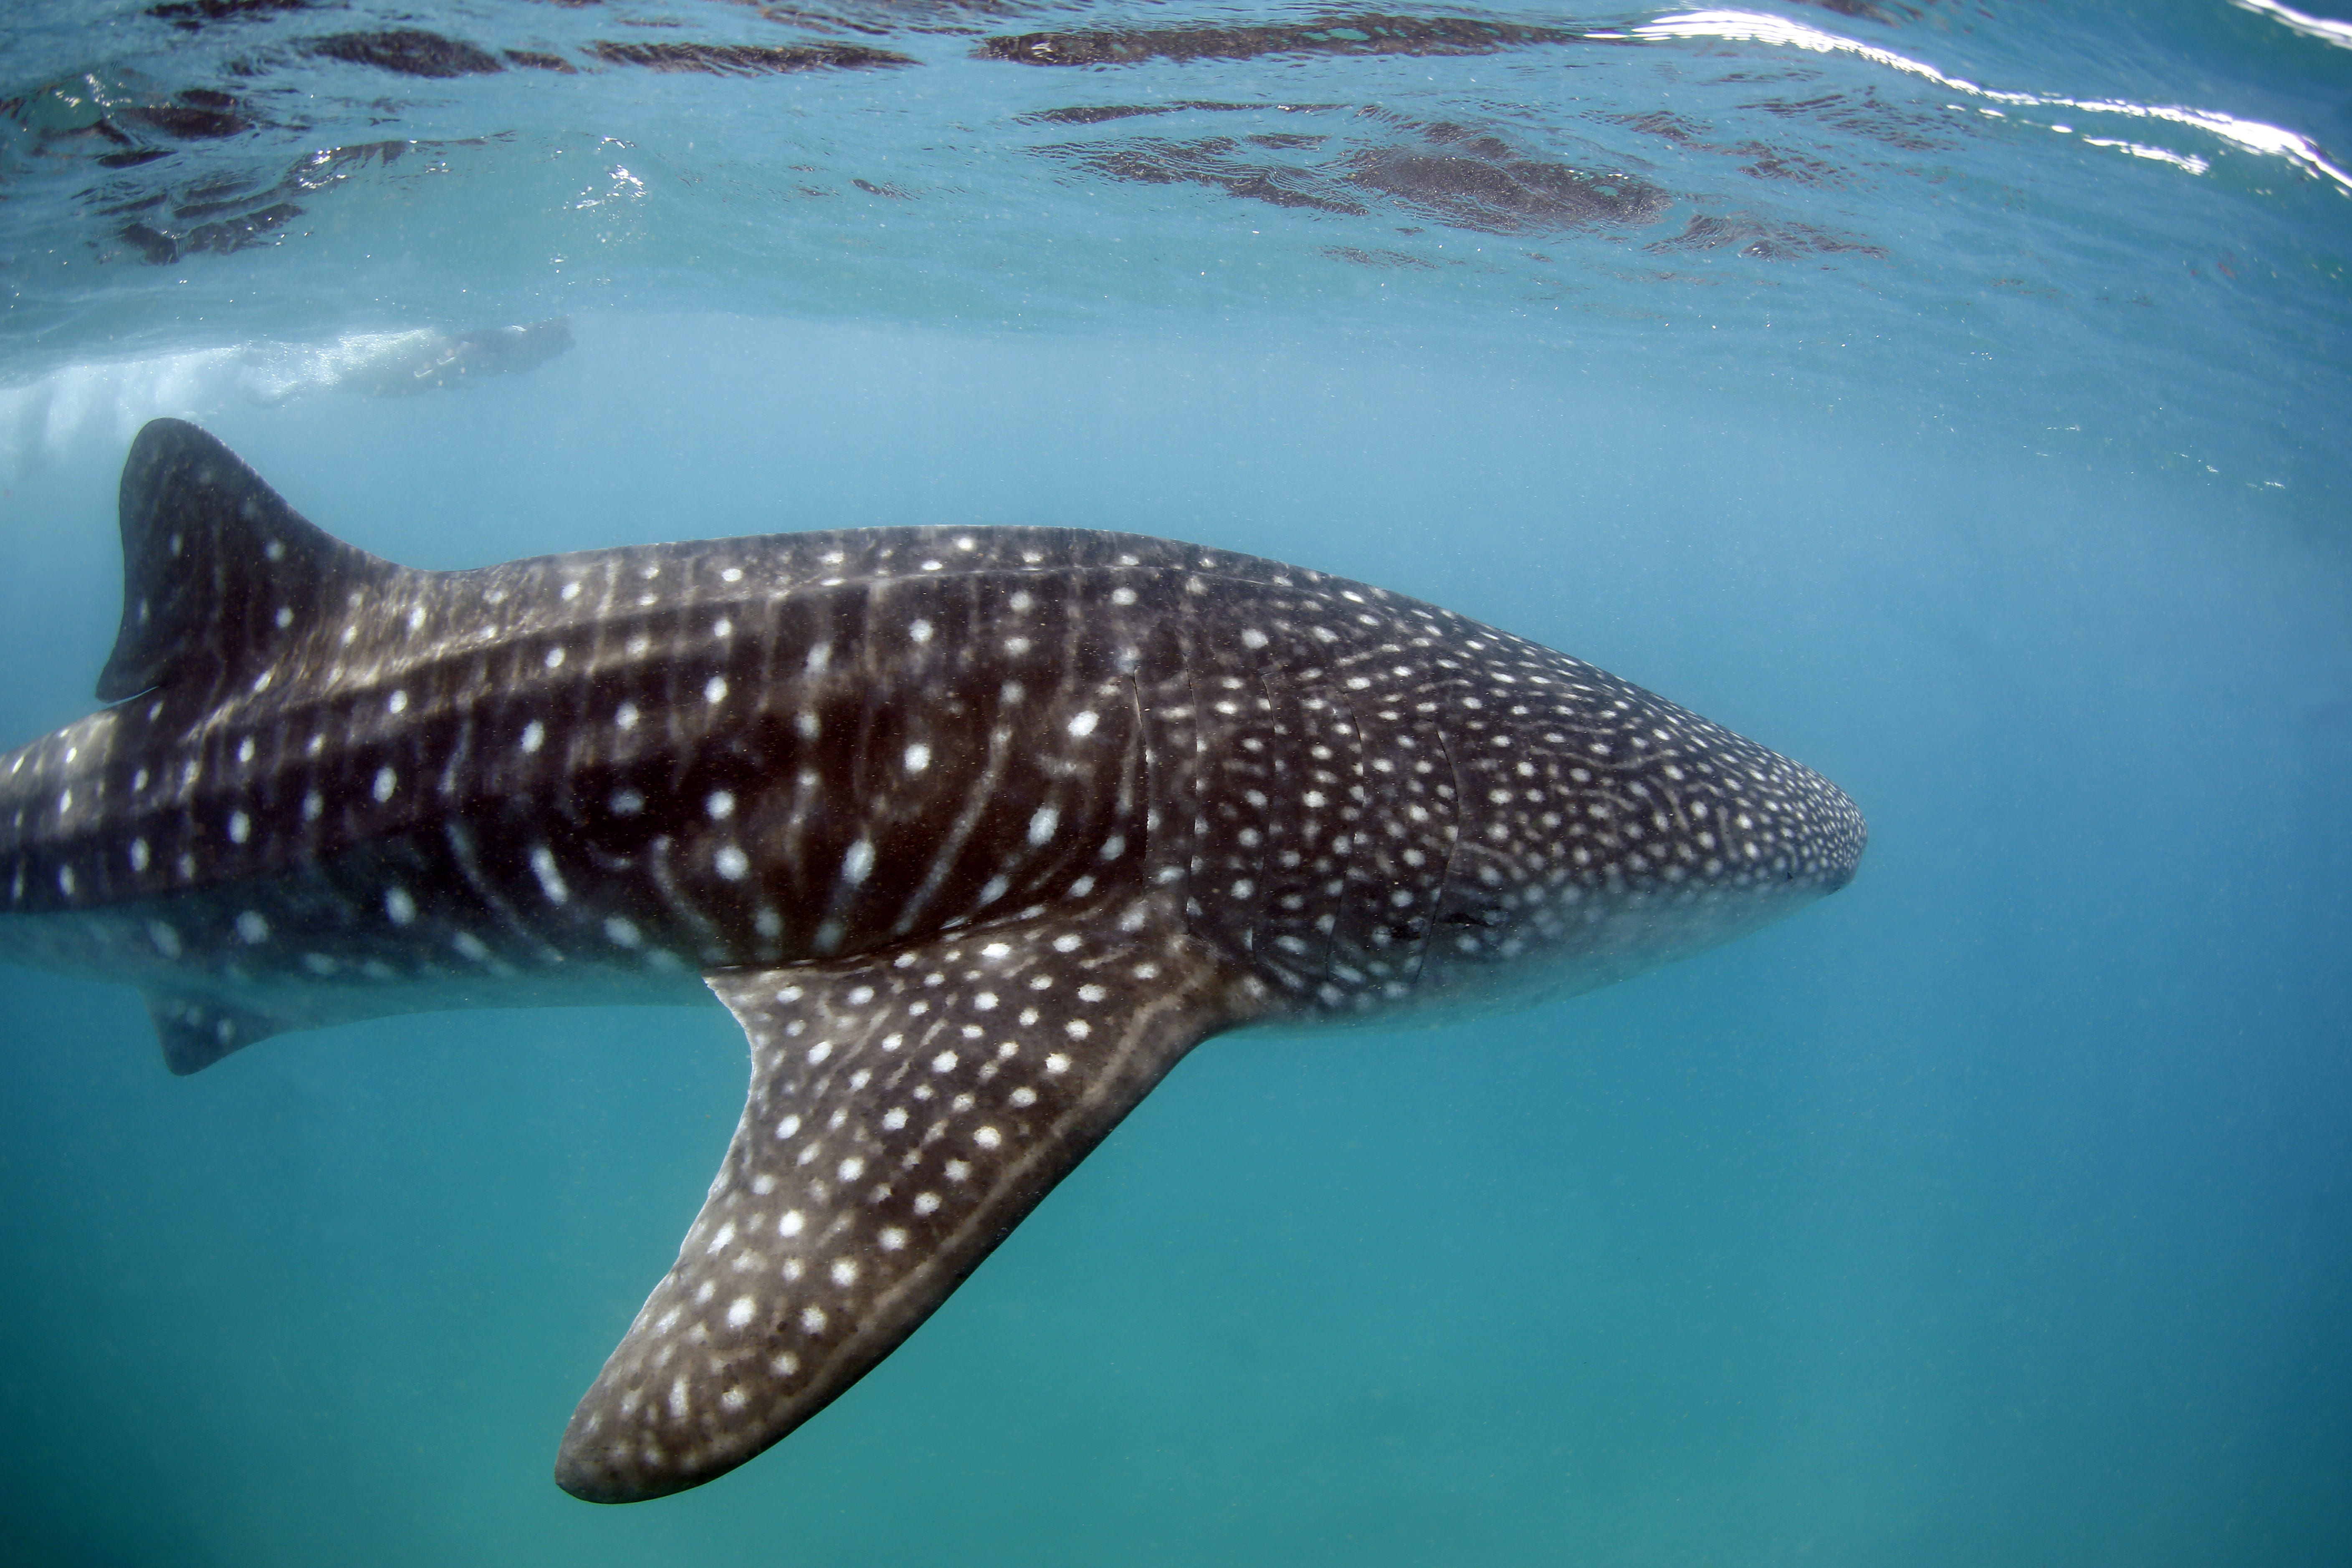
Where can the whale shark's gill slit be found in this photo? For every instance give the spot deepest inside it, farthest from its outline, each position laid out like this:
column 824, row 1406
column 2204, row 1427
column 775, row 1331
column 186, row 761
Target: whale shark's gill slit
column 906, row 1111
column 464, row 857
column 1438, row 898
column 951, row 847
column 686, row 911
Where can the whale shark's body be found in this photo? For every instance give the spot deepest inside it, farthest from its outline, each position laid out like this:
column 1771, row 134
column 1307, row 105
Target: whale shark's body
column 977, row 832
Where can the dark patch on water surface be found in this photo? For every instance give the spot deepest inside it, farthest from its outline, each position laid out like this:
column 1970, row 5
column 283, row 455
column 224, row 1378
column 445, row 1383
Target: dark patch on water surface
column 189, row 14
column 410, row 51
column 1804, row 171
column 1098, row 114
column 1768, row 162
column 200, row 113
column 1457, row 175
column 1678, row 129
column 747, row 59
column 1869, row 11
column 1363, row 34
column 1865, row 114
column 1388, row 259
column 1763, row 239
column 116, row 129
column 211, row 198
column 539, row 60
column 1476, row 180
column 840, row 22
column 160, row 245
column 218, row 212
column 1213, row 161
column 889, row 19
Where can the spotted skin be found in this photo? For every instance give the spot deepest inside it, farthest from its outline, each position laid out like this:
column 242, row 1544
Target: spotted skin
column 976, row 831
column 906, row 1112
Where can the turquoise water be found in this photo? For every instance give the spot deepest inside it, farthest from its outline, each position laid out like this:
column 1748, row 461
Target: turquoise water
column 1995, row 1210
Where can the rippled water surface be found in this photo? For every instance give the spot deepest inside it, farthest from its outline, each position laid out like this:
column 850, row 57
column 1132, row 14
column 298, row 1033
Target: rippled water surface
column 1953, row 397
column 2130, row 215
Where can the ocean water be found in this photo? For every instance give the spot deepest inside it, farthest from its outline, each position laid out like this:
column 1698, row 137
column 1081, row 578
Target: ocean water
column 1953, row 397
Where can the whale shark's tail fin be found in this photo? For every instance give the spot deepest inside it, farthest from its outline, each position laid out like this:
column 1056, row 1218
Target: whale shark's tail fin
column 218, row 572
column 907, row 1111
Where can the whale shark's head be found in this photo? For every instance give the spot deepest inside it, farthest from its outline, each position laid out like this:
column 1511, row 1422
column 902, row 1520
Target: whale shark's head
column 1706, row 838
column 1574, row 830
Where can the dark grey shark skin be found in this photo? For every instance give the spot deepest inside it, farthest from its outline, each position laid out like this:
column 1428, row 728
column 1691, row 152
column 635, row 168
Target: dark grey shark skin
column 976, row 831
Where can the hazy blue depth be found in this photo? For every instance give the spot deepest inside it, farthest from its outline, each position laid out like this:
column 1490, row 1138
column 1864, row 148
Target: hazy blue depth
column 1997, row 1210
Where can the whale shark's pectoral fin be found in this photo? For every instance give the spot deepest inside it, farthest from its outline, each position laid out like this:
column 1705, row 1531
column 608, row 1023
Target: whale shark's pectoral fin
column 906, row 1110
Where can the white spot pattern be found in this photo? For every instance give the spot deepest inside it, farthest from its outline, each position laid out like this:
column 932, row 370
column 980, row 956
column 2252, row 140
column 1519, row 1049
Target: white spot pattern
column 1380, row 803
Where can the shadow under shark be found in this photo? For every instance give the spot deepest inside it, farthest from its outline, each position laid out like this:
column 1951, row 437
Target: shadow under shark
column 976, row 831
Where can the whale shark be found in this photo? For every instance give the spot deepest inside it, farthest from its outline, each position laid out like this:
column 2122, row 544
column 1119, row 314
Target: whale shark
column 976, row 831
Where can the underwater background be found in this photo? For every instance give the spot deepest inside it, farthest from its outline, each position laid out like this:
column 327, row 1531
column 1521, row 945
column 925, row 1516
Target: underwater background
column 1951, row 396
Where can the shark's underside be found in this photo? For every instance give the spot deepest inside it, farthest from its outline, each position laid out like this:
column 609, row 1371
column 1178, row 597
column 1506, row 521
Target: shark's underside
column 976, row 831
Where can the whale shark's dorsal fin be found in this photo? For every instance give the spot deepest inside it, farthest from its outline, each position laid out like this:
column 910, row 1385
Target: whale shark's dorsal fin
column 907, row 1111
column 218, row 572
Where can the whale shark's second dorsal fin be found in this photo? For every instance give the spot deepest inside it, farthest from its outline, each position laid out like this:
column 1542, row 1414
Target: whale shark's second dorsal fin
column 196, row 1032
column 218, row 572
